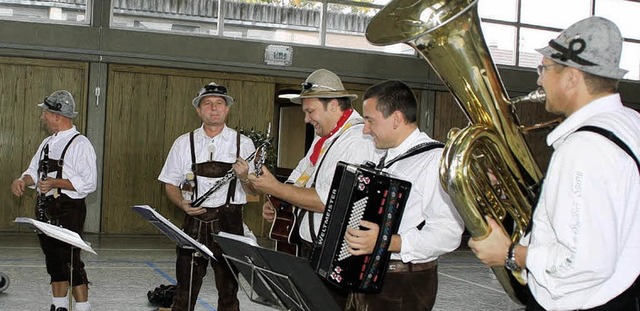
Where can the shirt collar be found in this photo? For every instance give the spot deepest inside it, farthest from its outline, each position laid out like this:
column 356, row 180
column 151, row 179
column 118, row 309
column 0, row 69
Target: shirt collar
column 65, row 133
column 225, row 134
column 409, row 142
column 575, row 120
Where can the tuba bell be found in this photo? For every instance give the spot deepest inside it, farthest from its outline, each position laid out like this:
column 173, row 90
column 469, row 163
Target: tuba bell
column 487, row 167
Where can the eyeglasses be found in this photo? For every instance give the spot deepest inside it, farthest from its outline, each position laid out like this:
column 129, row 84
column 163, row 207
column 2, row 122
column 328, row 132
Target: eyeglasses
column 52, row 106
column 213, row 89
column 309, row 85
column 541, row 68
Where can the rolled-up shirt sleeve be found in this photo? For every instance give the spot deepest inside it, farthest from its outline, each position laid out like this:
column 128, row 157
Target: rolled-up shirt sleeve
column 80, row 167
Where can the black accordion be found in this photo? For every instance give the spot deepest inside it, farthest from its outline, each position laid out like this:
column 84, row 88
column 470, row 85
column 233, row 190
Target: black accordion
column 358, row 193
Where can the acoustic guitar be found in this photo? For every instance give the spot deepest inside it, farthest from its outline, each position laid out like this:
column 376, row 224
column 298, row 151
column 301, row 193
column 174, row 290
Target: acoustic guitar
column 284, row 229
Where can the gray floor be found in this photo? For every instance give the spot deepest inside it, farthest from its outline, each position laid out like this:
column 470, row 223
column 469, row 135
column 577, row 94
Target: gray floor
column 127, row 267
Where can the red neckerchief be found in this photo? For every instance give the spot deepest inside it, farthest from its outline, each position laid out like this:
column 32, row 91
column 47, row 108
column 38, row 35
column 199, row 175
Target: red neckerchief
column 317, row 148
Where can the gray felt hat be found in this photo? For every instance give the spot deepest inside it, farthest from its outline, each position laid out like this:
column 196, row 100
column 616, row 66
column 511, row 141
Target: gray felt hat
column 212, row 89
column 60, row 102
column 592, row 45
column 322, row 83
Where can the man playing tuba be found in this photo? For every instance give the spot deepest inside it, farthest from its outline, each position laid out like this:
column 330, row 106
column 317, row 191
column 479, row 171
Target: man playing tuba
column 583, row 249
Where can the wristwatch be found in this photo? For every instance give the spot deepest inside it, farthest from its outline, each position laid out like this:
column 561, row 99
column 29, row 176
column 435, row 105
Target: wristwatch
column 510, row 263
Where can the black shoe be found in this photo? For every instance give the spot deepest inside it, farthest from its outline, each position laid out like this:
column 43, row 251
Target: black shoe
column 53, row 308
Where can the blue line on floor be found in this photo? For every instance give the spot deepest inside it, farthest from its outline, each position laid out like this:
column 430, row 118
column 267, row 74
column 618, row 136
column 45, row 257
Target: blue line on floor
column 201, row 302
column 161, row 272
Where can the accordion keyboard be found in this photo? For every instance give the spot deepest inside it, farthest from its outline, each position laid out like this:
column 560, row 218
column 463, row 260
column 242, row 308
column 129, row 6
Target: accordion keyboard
column 357, row 212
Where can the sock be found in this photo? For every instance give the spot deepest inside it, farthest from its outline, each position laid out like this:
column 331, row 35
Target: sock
column 83, row 306
column 61, row 302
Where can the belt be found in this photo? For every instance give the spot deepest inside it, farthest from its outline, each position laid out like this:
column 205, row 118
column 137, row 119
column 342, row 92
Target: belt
column 212, row 213
column 399, row 266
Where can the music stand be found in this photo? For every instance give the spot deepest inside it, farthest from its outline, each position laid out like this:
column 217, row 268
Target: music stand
column 176, row 235
column 61, row 234
column 279, row 279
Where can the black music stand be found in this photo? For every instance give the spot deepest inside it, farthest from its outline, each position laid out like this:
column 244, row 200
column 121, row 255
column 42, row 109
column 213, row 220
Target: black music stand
column 281, row 280
column 61, row 234
column 176, row 235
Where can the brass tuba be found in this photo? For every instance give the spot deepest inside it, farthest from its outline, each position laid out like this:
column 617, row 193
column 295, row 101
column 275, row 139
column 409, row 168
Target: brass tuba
column 487, row 167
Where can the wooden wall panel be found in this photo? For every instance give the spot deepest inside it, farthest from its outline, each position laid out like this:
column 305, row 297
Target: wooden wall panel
column 24, row 83
column 148, row 108
column 134, row 133
column 448, row 115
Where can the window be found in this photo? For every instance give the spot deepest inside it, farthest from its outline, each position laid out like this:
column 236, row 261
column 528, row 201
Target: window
column 60, row 11
column 554, row 13
column 513, row 29
column 624, row 13
column 296, row 23
column 501, row 42
column 196, row 17
column 542, row 20
column 347, row 24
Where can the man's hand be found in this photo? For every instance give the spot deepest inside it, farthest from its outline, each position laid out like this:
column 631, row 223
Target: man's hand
column 268, row 212
column 190, row 210
column 17, row 187
column 241, row 169
column 46, row 185
column 492, row 250
column 264, row 183
column 362, row 242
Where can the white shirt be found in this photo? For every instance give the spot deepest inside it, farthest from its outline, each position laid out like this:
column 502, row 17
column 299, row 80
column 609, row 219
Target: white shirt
column 427, row 202
column 585, row 241
column 220, row 148
column 79, row 165
column 352, row 146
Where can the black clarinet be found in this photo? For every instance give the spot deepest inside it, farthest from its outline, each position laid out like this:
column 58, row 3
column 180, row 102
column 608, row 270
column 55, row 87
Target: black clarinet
column 43, row 170
column 261, row 153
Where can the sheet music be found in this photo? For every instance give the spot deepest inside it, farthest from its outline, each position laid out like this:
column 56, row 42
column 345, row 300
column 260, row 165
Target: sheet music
column 59, row 233
column 239, row 238
column 170, row 230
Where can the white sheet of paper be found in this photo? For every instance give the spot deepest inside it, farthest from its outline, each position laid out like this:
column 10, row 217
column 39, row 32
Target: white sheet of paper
column 169, row 229
column 59, row 233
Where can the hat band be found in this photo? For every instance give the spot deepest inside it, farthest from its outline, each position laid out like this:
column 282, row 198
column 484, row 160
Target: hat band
column 322, row 94
column 213, row 90
column 309, row 85
column 52, row 106
column 576, row 46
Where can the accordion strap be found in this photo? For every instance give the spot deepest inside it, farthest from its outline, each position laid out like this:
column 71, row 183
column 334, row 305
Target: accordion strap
column 417, row 149
column 350, row 124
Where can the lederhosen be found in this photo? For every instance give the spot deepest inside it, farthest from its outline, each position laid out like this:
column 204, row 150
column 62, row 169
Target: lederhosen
column 227, row 218
column 68, row 213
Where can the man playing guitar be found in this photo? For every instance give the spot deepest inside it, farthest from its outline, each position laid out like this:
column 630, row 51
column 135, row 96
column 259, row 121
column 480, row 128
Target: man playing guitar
column 338, row 128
